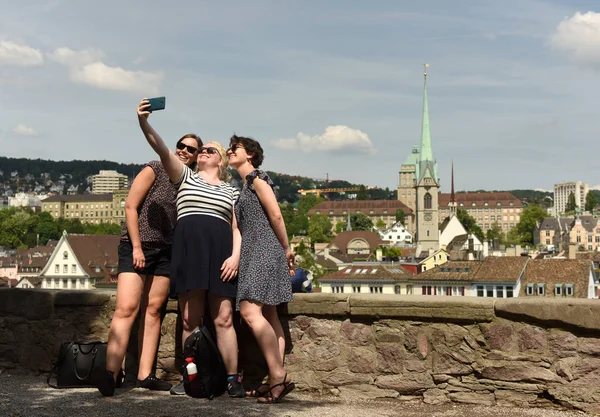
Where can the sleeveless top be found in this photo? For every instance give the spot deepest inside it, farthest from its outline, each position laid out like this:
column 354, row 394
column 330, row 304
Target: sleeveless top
column 196, row 196
column 157, row 213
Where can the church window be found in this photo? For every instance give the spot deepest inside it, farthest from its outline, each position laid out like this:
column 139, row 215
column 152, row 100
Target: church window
column 427, row 200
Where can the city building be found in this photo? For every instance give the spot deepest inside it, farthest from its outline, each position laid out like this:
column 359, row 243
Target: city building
column 486, row 208
column 81, row 262
column 558, row 278
column 562, row 192
column 397, row 235
column 88, row 208
column 108, row 181
column 366, row 279
column 384, row 210
column 26, row 200
column 556, row 234
column 419, row 185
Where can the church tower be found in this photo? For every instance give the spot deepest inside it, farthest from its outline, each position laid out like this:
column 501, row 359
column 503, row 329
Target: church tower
column 452, row 204
column 427, row 186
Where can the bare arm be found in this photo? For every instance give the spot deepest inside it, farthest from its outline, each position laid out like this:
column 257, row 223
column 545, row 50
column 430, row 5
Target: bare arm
column 138, row 192
column 173, row 166
column 267, row 199
column 230, row 266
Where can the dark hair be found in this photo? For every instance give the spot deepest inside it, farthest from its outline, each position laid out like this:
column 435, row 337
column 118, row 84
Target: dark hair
column 194, row 164
column 252, row 148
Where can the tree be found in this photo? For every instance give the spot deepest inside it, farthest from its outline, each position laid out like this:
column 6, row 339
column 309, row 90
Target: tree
column 306, row 202
column 362, row 193
column 469, row 223
column 571, row 204
column 529, row 218
column 319, row 228
column 590, row 202
column 495, row 233
column 360, row 221
column 340, row 226
column 400, row 216
column 46, row 228
column 306, row 260
column 380, row 224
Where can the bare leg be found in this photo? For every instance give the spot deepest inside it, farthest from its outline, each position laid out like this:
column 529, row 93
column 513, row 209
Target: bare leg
column 270, row 313
column 156, row 289
column 129, row 292
column 221, row 311
column 191, row 304
column 267, row 340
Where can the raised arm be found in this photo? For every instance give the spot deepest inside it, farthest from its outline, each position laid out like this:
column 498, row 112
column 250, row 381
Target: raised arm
column 138, row 192
column 269, row 202
column 173, row 166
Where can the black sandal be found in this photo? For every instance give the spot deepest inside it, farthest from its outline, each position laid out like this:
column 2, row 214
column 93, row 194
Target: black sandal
column 287, row 388
column 258, row 392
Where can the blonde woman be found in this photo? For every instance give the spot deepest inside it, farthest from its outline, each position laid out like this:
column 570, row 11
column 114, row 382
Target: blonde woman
column 206, row 245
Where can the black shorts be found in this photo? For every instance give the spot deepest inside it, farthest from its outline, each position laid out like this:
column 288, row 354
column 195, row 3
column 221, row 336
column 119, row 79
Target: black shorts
column 158, row 260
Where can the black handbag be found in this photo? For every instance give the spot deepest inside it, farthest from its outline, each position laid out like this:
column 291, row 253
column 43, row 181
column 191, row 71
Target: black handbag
column 76, row 364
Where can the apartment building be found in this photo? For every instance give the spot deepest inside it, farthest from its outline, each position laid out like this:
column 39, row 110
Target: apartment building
column 108, row 181
column 88, row 208
column 562, row 192
column 486, row 208
column 558, row 233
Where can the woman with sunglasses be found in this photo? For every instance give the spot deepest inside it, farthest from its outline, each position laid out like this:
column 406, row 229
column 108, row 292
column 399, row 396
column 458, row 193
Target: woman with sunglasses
column 206, row 245
column 144, row 269
column 266, row 264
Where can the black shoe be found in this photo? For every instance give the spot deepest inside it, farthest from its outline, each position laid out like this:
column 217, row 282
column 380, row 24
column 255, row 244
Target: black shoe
column 178, row 389
column 120, row 379
column 235, row 388
column 153, row 383
column 105, row 382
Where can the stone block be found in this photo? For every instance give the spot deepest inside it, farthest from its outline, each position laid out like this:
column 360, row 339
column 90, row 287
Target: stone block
column 561, row 343
column 446, row 363
column 390, row 358
column 340, row 377
column 589, row 345
column 324, row 329
column 473, row 398
column 365, row 392
column 357, row 334
column 446, row 309
column 507, row 398
column 32, row 304
column 83, row 298
column 435, row 396
column 581, row 313
column 499, row 336
column 319, row 304
column 532, row 339
column 520, row 373
column 406, row 384
column 361, row 360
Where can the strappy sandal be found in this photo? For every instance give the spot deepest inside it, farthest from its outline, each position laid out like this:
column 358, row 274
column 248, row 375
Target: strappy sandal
column 271, row 399
column 261, row 391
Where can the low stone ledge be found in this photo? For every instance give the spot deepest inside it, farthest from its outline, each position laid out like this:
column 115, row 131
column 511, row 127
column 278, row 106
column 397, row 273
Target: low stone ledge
column 415, row 307
column 584, row 314
column 319, row 305
column 31, row 304
column 82, row 298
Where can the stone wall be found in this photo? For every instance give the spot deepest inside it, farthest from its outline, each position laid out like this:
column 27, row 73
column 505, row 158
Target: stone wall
column 513, row 352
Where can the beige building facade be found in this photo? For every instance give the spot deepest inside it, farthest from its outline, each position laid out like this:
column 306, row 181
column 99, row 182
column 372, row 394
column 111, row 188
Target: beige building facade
column 88, row 208
column 562, row 192
column 108, row 181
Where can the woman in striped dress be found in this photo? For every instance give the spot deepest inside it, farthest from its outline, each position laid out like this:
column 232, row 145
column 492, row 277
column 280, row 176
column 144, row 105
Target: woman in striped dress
column 206, row 245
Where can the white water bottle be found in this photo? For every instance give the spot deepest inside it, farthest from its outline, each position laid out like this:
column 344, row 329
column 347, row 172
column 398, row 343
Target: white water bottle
column 191, row 368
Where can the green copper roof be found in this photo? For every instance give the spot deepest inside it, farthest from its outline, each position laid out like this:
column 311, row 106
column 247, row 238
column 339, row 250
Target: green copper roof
column 413, row 158
column 425, row 150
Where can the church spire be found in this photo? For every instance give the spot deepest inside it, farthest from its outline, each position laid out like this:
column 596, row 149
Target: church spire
column 426, row 153
column 452, row 196
column 349, row 224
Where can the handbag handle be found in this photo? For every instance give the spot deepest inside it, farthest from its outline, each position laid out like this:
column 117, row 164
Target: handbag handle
column 93, row 351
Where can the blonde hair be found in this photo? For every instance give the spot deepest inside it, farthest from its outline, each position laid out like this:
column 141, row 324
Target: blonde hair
column 223, row 171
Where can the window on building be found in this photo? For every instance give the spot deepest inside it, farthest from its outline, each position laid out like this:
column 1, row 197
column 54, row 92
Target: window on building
column 356, row 289
column 427, row 201
column 82, row 283
column 56, row 269
column 98, row 269
column 448, row 291
column 65, row 255
column 529, row 289
column 509, row 291
column 65, row 268
column 73, row 268
column 489, row 291
column 375, row 289
column 499, row 291
column 337, row 289
column 65, row 283
column 569, row 290
column 558, row 289
column 547, row 241
column 409, row 289
column 480, row 291
column 73, row 283
column 541, row 289
column 397, row 289
column 590, row 239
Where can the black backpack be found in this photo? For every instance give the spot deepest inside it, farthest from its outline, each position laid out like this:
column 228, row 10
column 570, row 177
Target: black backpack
column 211, row 380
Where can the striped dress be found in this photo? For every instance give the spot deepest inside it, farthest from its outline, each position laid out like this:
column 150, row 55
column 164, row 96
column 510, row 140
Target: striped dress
column 203, row 239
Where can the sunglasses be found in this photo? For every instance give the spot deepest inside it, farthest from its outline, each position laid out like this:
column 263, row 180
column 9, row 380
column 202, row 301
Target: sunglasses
column 209, row 150
column 190, row 149
column 234, row 147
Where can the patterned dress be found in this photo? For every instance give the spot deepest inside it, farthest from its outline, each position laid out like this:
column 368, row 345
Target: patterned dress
column 263, row 274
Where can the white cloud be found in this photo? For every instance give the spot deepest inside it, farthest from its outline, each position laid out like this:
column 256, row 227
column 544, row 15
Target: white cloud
column 341, row 139
column 579, row 37
column 86, row 67
column 20, row 55
column 23, row 130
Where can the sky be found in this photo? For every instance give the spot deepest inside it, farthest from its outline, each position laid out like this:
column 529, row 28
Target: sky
column 328, row 87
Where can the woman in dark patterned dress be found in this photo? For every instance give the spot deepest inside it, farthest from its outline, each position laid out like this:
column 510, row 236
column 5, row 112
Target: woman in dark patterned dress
column 144, row 269
column 266, row 263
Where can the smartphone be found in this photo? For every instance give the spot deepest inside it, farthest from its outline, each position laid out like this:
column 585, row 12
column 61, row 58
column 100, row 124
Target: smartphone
column 157, row 103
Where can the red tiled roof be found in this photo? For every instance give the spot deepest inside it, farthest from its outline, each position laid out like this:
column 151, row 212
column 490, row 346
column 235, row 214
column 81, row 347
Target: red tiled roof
column 364, row 206
column 343, row 239
column 502, row 268
column 504, row 198
column 96, row 251
column 369, row 273
column 451, row 271
column 558, row 271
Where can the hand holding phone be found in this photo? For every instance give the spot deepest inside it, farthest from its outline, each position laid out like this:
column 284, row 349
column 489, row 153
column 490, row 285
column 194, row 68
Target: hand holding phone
column 156, row 103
